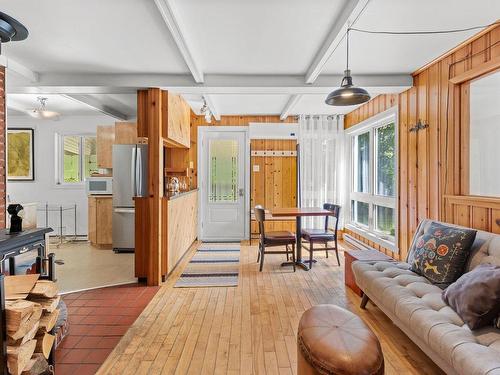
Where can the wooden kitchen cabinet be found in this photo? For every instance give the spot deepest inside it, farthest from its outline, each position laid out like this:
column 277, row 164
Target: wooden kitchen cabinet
column 105, row 138
column 126, row 133
column 175, row 118
column 100, row 226
column 178, row 124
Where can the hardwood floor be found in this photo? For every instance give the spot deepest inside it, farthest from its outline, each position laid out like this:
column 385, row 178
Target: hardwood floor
column 250, row 329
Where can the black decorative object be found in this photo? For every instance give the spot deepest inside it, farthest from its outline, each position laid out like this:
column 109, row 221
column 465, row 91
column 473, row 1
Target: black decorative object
column 419, row 126
column 16, row 221
column 347, row 94
column 11, row 30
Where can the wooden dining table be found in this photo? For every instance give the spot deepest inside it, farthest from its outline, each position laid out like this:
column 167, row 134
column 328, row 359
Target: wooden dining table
column 298, row 213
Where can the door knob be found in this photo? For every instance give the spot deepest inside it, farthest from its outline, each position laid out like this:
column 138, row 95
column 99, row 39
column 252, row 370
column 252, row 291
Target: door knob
column 241, row 192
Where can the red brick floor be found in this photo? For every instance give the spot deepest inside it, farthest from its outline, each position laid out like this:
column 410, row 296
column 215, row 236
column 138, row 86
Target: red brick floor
column 97, row 321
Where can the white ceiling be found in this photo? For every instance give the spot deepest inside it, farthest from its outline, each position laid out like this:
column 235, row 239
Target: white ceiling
column 261, row 50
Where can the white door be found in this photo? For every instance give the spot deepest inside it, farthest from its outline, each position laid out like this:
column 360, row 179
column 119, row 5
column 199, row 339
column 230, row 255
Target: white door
column 222, row 160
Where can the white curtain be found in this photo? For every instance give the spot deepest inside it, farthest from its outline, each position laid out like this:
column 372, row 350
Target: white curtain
column 322, row 170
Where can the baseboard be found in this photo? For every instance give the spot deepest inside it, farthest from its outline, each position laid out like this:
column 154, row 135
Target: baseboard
column 356, row 243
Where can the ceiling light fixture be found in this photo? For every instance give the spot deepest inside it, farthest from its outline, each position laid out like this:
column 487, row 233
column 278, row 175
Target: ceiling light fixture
column 11, row 30
column 206, row 112
column 41, row 112
column 347, row 94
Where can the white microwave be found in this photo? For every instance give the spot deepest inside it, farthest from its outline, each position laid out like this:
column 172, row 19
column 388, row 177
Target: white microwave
column 99, row 185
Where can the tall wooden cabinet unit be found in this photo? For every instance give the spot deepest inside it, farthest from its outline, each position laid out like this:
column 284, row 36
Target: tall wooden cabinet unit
column 100, row 221
column 164, row 119
column 105, row 138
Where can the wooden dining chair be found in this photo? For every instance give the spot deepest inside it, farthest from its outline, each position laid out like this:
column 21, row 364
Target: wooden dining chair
column 322, row 236
column 273, row 239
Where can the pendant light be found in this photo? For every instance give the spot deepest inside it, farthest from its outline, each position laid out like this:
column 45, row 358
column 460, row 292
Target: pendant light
column 41, row 112
column 347, row 94
column 206, row 112
column 11, row 29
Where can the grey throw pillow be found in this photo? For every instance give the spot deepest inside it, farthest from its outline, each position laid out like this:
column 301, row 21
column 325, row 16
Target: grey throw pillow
column 441, row 252
column 475, row 296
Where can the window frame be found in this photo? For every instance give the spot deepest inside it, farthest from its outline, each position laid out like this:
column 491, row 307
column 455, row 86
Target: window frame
column 60, row 158
column 371, row 197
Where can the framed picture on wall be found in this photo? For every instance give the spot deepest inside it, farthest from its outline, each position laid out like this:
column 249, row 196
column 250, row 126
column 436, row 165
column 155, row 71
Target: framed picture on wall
column 20, row 154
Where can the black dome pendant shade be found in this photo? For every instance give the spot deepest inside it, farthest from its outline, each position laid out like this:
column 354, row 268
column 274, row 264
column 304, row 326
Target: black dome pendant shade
column 11, row 30
column 347, row 94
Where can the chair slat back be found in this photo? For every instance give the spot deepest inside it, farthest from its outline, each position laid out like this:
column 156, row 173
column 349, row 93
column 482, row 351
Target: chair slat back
column 260, row 217
column 335, row 209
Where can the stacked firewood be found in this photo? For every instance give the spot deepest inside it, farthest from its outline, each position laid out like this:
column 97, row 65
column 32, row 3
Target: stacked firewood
column 31, row 313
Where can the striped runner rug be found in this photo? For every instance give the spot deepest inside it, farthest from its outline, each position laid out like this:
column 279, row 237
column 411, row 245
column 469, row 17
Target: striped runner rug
column 212, row 265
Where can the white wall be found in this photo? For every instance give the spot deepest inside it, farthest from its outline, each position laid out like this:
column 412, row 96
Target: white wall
column 44, row 188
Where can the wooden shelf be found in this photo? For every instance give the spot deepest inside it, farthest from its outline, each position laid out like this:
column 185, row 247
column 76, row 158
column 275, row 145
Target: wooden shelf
column 175, row 170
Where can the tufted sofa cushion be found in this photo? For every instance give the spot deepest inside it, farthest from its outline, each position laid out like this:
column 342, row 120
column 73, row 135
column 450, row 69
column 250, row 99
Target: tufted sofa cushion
column 416, row 306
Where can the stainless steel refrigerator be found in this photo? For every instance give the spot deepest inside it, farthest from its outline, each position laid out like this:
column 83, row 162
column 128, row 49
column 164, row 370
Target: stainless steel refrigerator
column 130, row 179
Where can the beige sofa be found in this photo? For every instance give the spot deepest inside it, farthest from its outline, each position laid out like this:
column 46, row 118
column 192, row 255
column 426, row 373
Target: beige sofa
column 416, row 307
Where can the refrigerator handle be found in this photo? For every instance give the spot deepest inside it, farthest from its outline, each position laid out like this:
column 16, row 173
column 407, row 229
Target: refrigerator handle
column 138, row 173
column 132, row 172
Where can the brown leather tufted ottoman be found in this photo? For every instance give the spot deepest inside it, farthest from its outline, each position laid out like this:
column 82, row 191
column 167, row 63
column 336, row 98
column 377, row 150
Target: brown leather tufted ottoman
column 332, row 340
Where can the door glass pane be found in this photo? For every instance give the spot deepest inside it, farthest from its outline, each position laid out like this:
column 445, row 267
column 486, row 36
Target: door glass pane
column 71, row 147
column 223, row 176
column 360, row 212
column 362, row 163
column 386, row 160
column 90, row 156
column 384, row 220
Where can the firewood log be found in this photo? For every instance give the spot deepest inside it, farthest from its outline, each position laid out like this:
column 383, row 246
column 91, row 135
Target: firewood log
column 26, row 324
column 48, row 304
column 36, row 366
column 44, row 343
column 16, row 312
column 19, row 356
column 48, row 320
column 27, row 337
column 44, row 288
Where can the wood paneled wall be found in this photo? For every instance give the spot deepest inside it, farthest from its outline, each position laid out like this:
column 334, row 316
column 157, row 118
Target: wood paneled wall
column 275, row 183
column 430, row 160
column 3, row 151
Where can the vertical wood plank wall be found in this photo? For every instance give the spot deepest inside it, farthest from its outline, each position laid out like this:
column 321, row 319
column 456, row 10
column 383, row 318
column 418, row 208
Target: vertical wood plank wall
column 432, row 171
column 275, row 184
column 3, row 150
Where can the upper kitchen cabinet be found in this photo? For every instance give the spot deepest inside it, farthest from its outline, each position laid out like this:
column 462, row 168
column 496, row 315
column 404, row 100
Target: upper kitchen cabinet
column 177, row 131
column 105, row 139
column 175, row 118
column 126, row 133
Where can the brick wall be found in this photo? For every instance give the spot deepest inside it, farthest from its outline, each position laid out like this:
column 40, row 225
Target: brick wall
column 3, row 126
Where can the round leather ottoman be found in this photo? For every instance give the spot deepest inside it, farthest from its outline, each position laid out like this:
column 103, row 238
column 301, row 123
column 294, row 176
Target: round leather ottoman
column 332, row 340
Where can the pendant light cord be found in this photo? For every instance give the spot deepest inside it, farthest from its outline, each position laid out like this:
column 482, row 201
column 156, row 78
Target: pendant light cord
column 347, row 42
column 422, row 32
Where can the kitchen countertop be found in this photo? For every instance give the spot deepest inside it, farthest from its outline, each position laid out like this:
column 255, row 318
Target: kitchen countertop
column 173, row 195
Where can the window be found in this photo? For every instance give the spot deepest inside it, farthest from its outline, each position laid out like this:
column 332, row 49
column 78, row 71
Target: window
column 373, row 170
column 223, row 175
column 77, row 158
column 484, row 133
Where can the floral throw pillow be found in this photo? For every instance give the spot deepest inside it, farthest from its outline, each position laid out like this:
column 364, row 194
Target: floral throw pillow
column 440, row 254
